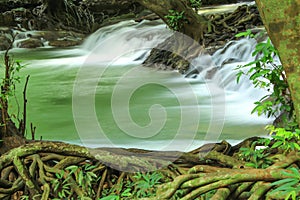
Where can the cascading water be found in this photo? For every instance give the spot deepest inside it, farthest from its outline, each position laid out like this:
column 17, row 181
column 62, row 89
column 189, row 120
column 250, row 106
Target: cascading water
column 100, row 95
column 235, row 53
column 127, row 40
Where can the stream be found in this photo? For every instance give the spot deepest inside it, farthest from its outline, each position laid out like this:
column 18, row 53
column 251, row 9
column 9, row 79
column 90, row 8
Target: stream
column 99, row 94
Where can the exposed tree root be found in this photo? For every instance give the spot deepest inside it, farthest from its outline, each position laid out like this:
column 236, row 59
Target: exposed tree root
column 47, row 170
column 253, row 183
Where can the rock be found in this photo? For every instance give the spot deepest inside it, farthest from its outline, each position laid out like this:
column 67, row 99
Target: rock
column 45, row 35
column 30, row 43
column 65, row 43
column 64, row 38
column 5, row 42
column 210, row 73
column 34, row 39
column 150, row 17
column 56, row 35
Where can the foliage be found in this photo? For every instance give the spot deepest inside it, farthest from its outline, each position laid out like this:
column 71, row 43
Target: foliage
column 111, row 194
column 12, row 79
column 83, row 176
column 196, row 4
column 145, row 184
column 289, row 186
column 8, row 91
column 175, row 20
column 61, row 185
column 285, row 140
column 257, row 158
column 245, row 34
column 264, row 73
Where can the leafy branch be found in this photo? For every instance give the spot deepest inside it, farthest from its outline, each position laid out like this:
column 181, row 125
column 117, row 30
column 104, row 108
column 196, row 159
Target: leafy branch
column 264, row 73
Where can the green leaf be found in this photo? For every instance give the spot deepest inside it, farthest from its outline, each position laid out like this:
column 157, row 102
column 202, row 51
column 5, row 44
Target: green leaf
column 126, row 193
column 283, row 181
column 297, row 146
column 80, row 178
column 238, row 76
column 243, row 34
column 89, row 167
column 111, row 197
column 291, row 194
column 276, row 144
column 251, row 165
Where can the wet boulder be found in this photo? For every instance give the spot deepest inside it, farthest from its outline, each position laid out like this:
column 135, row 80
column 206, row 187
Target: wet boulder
column 30, row 43
column 65, row 43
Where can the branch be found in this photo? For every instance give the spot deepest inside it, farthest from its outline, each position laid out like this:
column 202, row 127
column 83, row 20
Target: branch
column 23, row 124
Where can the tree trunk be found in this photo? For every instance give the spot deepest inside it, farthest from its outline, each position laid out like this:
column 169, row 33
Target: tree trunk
column 194, row 24
column 282, row 21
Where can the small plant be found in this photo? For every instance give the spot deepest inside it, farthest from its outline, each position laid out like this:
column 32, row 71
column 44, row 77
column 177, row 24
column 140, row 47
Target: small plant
column 114, row 194
column 24, row 197
column 257, row 158
column 111, row 197
column 290, row 187
column 61, row 185
column 175, row 19
column 81, row 176
column 196, row 4
column 146, row 184
column 84, row 177
column 285, row 140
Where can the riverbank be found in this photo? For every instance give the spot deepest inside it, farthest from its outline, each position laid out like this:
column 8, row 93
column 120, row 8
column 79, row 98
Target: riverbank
column 48, row 170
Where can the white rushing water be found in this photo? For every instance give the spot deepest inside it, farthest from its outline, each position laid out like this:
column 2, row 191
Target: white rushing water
column 98, row 94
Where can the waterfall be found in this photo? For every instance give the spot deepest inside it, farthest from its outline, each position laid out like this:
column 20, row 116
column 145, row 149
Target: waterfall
column 129, row 41
column 126, row 41
column 115, row 83
column 221, row 67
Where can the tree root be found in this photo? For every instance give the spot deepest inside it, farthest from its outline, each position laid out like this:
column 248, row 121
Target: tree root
column 253, row 183
column 46, row 170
